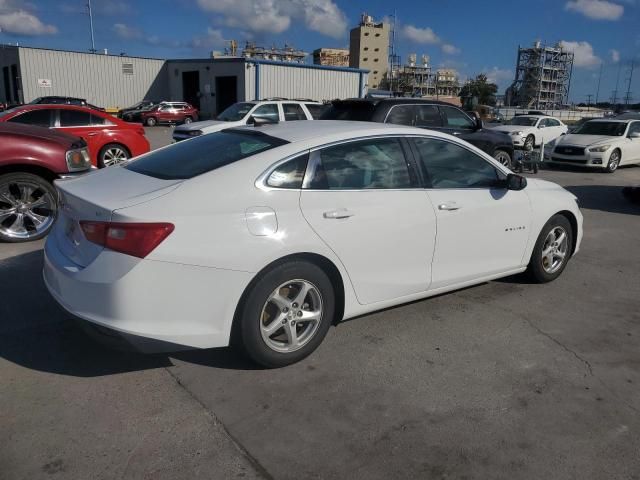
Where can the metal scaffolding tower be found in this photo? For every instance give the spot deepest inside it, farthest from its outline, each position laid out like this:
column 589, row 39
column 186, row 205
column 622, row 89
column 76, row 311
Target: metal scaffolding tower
column 543, row 77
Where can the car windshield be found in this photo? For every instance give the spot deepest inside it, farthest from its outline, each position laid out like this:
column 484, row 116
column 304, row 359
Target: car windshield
column 608, row 129
column 358, row 111
column 203, row 154
column 235, row 112
column 524, row 121
column 137, row 105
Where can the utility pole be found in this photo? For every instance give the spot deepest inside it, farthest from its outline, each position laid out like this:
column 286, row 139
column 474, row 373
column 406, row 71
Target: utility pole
column 627, row 97
column 599, row 79
column 589, row 96
column 614, row 95
column 392, row 51
column 93, row 43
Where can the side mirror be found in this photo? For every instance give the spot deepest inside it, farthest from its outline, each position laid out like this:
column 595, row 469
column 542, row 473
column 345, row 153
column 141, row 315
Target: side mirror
column 541, row 126
column 477, row 121
column 259, row 121
column 516, row 182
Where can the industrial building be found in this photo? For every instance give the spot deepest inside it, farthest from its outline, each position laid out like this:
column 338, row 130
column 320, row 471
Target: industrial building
column 211, row 84
column 369, row 49
column 543, row 77
column 335, row 57
column 285, row 54
column 418, row 80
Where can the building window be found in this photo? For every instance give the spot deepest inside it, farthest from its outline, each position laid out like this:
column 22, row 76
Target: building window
column 366, row 48
column 375, row 59
column 365, row 59
column 375, row 72
column 374, row 86
column 376, row 49
column 366, row 34
column 127, row 68
column 377, row 34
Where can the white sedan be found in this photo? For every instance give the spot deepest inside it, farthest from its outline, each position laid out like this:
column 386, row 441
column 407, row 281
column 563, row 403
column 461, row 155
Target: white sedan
column 603, row 144
column 274, row 233
column 529, row 131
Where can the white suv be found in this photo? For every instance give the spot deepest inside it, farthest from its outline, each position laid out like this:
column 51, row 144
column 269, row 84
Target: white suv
column 244, row 113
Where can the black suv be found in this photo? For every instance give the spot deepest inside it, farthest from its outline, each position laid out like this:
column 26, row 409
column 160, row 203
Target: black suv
column 56, row 100
column 134, row 112
column 423, row 113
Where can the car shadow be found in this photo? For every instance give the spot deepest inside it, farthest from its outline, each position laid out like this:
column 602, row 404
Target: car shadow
column 606, row 198
column 36, row 334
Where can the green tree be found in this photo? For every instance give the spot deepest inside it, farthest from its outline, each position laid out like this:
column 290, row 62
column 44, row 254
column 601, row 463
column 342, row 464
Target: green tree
column 479, row 90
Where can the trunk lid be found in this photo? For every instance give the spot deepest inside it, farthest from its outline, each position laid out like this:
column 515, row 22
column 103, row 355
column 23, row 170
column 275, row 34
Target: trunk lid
column 95, row 197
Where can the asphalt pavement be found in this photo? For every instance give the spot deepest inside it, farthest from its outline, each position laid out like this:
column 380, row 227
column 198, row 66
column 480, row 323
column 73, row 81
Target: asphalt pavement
column 505, row 380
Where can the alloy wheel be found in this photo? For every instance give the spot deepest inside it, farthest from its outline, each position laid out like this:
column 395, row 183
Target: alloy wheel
column 614, row 161
column 26, row 209
column 291, row 316
column 114, row 156
column 554, row 250
column 503, row 157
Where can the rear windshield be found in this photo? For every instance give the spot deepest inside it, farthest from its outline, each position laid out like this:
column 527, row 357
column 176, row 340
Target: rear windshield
column 190, row 158
column 358, row 111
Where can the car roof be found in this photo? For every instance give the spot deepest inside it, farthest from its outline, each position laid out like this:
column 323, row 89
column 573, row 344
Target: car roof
column 59, row 106
column 334, row 130
column 612, row 120
column 394, row 101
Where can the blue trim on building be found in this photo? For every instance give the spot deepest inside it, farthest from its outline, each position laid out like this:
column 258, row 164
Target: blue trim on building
column 258, row 61
column 361, row 88
column 257, row 82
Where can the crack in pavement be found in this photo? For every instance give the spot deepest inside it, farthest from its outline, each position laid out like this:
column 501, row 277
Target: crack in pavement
column 262, row 471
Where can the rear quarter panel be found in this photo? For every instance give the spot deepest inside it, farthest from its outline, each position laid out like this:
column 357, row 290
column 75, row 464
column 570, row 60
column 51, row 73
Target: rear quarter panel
column 19, row 150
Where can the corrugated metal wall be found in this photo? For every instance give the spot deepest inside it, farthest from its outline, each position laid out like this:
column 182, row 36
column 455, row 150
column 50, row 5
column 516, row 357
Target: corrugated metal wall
column 295, row 82
column 98, row 78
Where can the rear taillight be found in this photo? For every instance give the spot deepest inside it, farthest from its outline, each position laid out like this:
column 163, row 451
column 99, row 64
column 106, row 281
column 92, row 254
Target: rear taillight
column 135, row 239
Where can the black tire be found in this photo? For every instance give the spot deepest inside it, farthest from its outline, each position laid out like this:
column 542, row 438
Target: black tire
column 503, row 157
column 151, row 122
column 188, row 120
column 43, row 189
column 529, row 143
column 250, row 316
column 536, row 269
column 614, row 161
column 108, row 149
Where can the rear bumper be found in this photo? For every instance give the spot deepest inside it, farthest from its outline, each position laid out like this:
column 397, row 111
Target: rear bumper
column 181, row 305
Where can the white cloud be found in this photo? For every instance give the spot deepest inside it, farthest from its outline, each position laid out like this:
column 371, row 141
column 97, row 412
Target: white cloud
column 420, row 35
column 583, row 54
column 126, row 32
column 596, row 9
column 499, row 75
column 15, row 19
column 275, row 16
column 213, row 39
column 450, row 49
column 615, row 55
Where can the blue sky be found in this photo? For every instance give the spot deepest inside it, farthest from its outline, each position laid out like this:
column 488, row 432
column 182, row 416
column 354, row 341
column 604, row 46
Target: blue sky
column 468, row 35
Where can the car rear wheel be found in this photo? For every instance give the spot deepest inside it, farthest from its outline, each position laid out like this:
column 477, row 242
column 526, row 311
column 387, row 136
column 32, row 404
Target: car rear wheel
column 552, row 250
column 503, row 157
column 113, row 154
column 614, row 162
column 286, row 314
column 151, row 122
column 28, row 207
column 188, row 119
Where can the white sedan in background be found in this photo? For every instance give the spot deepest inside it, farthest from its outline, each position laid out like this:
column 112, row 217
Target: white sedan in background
column 529, row 131
column 603, row 144
column 274, row 233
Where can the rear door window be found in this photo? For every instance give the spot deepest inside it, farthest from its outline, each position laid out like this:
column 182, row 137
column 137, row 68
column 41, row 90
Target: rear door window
column 74, row 118
column 366, row 164
column 203, row 154
column 40, row 118
column 293, row 111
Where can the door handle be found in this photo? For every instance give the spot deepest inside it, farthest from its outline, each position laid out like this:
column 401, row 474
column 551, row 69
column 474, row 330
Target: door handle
column 92, row 134
column 449, row 206
column 337, row 214
column 457, row 133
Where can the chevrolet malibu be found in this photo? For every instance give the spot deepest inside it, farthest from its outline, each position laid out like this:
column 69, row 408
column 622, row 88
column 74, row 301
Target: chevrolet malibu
column 265, row 236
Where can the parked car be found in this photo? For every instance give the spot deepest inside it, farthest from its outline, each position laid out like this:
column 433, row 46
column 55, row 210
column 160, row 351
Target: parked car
column 134, row 112
column 423, row 113
column 244, row 113
column 529, row 131
column 111, row 141
column 3, row 106
column 55, row 100
column 289, row 228
column 604, row 144
column 169, row 112
column 30, row 159
column 628, row 116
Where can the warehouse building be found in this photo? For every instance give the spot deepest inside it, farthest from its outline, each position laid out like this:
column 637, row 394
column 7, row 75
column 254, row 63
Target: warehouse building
column 211, row 84
column 369, row 48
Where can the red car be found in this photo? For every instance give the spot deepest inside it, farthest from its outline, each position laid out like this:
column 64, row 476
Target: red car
column 170, row 112
column 30, row 159
column 110, row 140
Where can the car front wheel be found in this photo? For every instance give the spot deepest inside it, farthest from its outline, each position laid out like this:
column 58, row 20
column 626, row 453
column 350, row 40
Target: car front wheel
column 614, row 162
column 113, row 154
column 188, row 120
column 28, row 207
column 286, row 314
column 503, row 157
column 552, row 250
column 151, row 121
